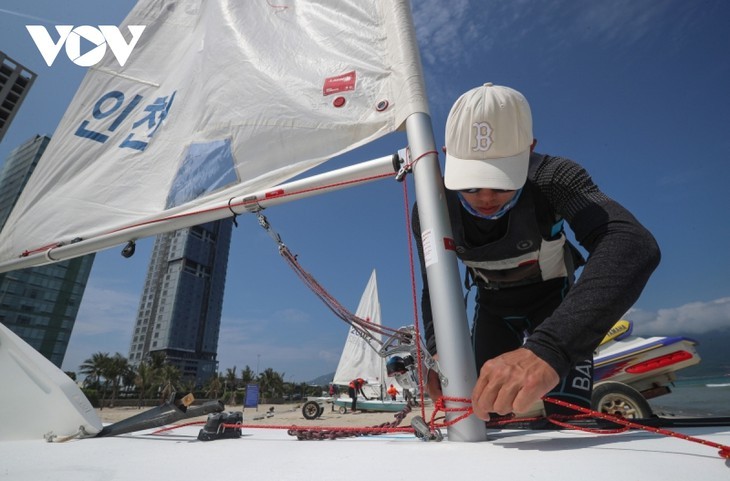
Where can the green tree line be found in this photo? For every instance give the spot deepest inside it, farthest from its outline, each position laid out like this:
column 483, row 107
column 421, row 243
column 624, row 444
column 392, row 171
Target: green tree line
column 109, row 378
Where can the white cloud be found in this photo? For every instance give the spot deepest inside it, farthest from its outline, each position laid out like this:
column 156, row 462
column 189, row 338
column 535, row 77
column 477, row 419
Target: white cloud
column 260, row 341
column 291, row 314
column 692, row 318
column 105, row 310
column 442, row 29
column 449, row 32
column 30, row 17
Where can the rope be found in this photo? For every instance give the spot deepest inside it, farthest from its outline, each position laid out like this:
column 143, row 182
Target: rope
column 322, row 433
column 724, row 451
column 309, row 433
column 561, row 421
column 364, row 327
column 329, row 433
column 416, row 320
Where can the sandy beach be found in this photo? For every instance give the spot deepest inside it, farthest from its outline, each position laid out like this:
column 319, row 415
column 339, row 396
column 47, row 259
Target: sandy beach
column 283, row 414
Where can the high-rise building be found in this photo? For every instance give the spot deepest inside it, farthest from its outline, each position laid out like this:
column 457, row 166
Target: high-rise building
column 182, row 300
column 39, row 304
column 15, row 82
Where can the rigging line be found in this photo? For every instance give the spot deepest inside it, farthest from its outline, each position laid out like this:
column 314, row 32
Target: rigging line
column 467, row 410
column 364, row 327
column 416, row 320
column 330, row 301
column 408, row 164
column 724, row 451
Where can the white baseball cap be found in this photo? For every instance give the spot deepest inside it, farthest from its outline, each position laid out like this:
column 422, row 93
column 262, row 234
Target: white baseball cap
column 488, row 139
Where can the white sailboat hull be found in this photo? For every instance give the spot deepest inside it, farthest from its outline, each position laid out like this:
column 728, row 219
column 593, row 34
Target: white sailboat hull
column 363, row 404
column 272, row 454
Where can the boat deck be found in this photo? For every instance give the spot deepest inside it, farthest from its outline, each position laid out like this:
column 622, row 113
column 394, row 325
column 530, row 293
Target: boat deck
column 273, row 454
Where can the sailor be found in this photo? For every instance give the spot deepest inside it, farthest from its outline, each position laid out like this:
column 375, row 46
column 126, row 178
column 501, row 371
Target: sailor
column 535, row 327
column 355, row 388
column 392, row 392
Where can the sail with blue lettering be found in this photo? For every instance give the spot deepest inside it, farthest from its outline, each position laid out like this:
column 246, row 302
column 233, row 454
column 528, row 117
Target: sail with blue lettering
column 216, row 99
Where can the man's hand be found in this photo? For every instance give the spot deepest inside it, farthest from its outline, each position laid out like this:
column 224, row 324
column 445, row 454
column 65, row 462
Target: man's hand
column 511, row 383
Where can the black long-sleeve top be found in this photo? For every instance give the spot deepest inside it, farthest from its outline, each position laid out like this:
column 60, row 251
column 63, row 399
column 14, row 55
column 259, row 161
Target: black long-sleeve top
column 622, row 256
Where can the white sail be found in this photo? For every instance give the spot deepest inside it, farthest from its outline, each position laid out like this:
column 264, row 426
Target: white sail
column 358, row 359
column 217, row 98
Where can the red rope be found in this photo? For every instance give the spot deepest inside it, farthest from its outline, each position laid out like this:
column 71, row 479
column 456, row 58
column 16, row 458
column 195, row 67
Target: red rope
column 466, row 409
column 463, row 405
column 414, row 295
column 724, row 450
column 440, row 405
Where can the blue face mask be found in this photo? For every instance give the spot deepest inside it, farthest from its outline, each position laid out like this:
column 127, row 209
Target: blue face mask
column 497, row 214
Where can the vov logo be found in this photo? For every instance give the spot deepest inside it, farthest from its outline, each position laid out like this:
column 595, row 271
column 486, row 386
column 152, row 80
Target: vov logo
column 71, row 36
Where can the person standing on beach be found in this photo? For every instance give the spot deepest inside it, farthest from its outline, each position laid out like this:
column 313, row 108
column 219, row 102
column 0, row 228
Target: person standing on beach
column 535, row 327
column 355, row 388
column 392, row 392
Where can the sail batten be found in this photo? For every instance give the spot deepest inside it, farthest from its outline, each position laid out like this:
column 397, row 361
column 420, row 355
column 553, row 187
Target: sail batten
column 216, row 99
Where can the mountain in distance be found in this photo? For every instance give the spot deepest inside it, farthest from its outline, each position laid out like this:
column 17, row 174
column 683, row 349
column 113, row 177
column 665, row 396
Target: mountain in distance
column 712, row 347
column 322, row 380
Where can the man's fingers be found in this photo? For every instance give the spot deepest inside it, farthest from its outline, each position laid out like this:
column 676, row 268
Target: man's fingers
column 482, row 401
column 524, row 399
column 504, row 402
column 511, row 382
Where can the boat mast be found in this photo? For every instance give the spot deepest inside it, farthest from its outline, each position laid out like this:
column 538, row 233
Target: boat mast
column 456, row 358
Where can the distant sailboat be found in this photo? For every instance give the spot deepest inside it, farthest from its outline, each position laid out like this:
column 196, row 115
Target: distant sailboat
column 359, row 360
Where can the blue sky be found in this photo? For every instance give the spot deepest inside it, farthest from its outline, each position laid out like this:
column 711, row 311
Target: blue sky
column 636, row 91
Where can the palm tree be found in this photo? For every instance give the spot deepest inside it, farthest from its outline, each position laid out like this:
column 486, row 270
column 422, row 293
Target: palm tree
column 188, row 385
column 115, row 369
column 145, row 378
column 247, row 375
column 271, row 383
column 214, row 386
column 93, row 368
column 231, row 383
column 157, row 360
column 170, row 379
column 128, row 377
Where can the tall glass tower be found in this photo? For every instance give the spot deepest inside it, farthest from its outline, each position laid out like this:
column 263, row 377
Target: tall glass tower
column 15, row 82
column 39, row 304
column 180, row 310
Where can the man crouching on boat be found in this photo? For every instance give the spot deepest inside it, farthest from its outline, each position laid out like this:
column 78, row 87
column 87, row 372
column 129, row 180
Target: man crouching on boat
column 355, row 388
column 534, row 329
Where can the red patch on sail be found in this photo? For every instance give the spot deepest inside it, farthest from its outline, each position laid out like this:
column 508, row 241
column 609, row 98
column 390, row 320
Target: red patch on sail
column 340, row 83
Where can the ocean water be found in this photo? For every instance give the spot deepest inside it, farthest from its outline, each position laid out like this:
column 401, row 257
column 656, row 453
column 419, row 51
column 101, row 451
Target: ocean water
column 696, row 396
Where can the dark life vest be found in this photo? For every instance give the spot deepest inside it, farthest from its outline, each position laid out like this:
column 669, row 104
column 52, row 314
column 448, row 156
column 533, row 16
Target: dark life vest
column 532, row 249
